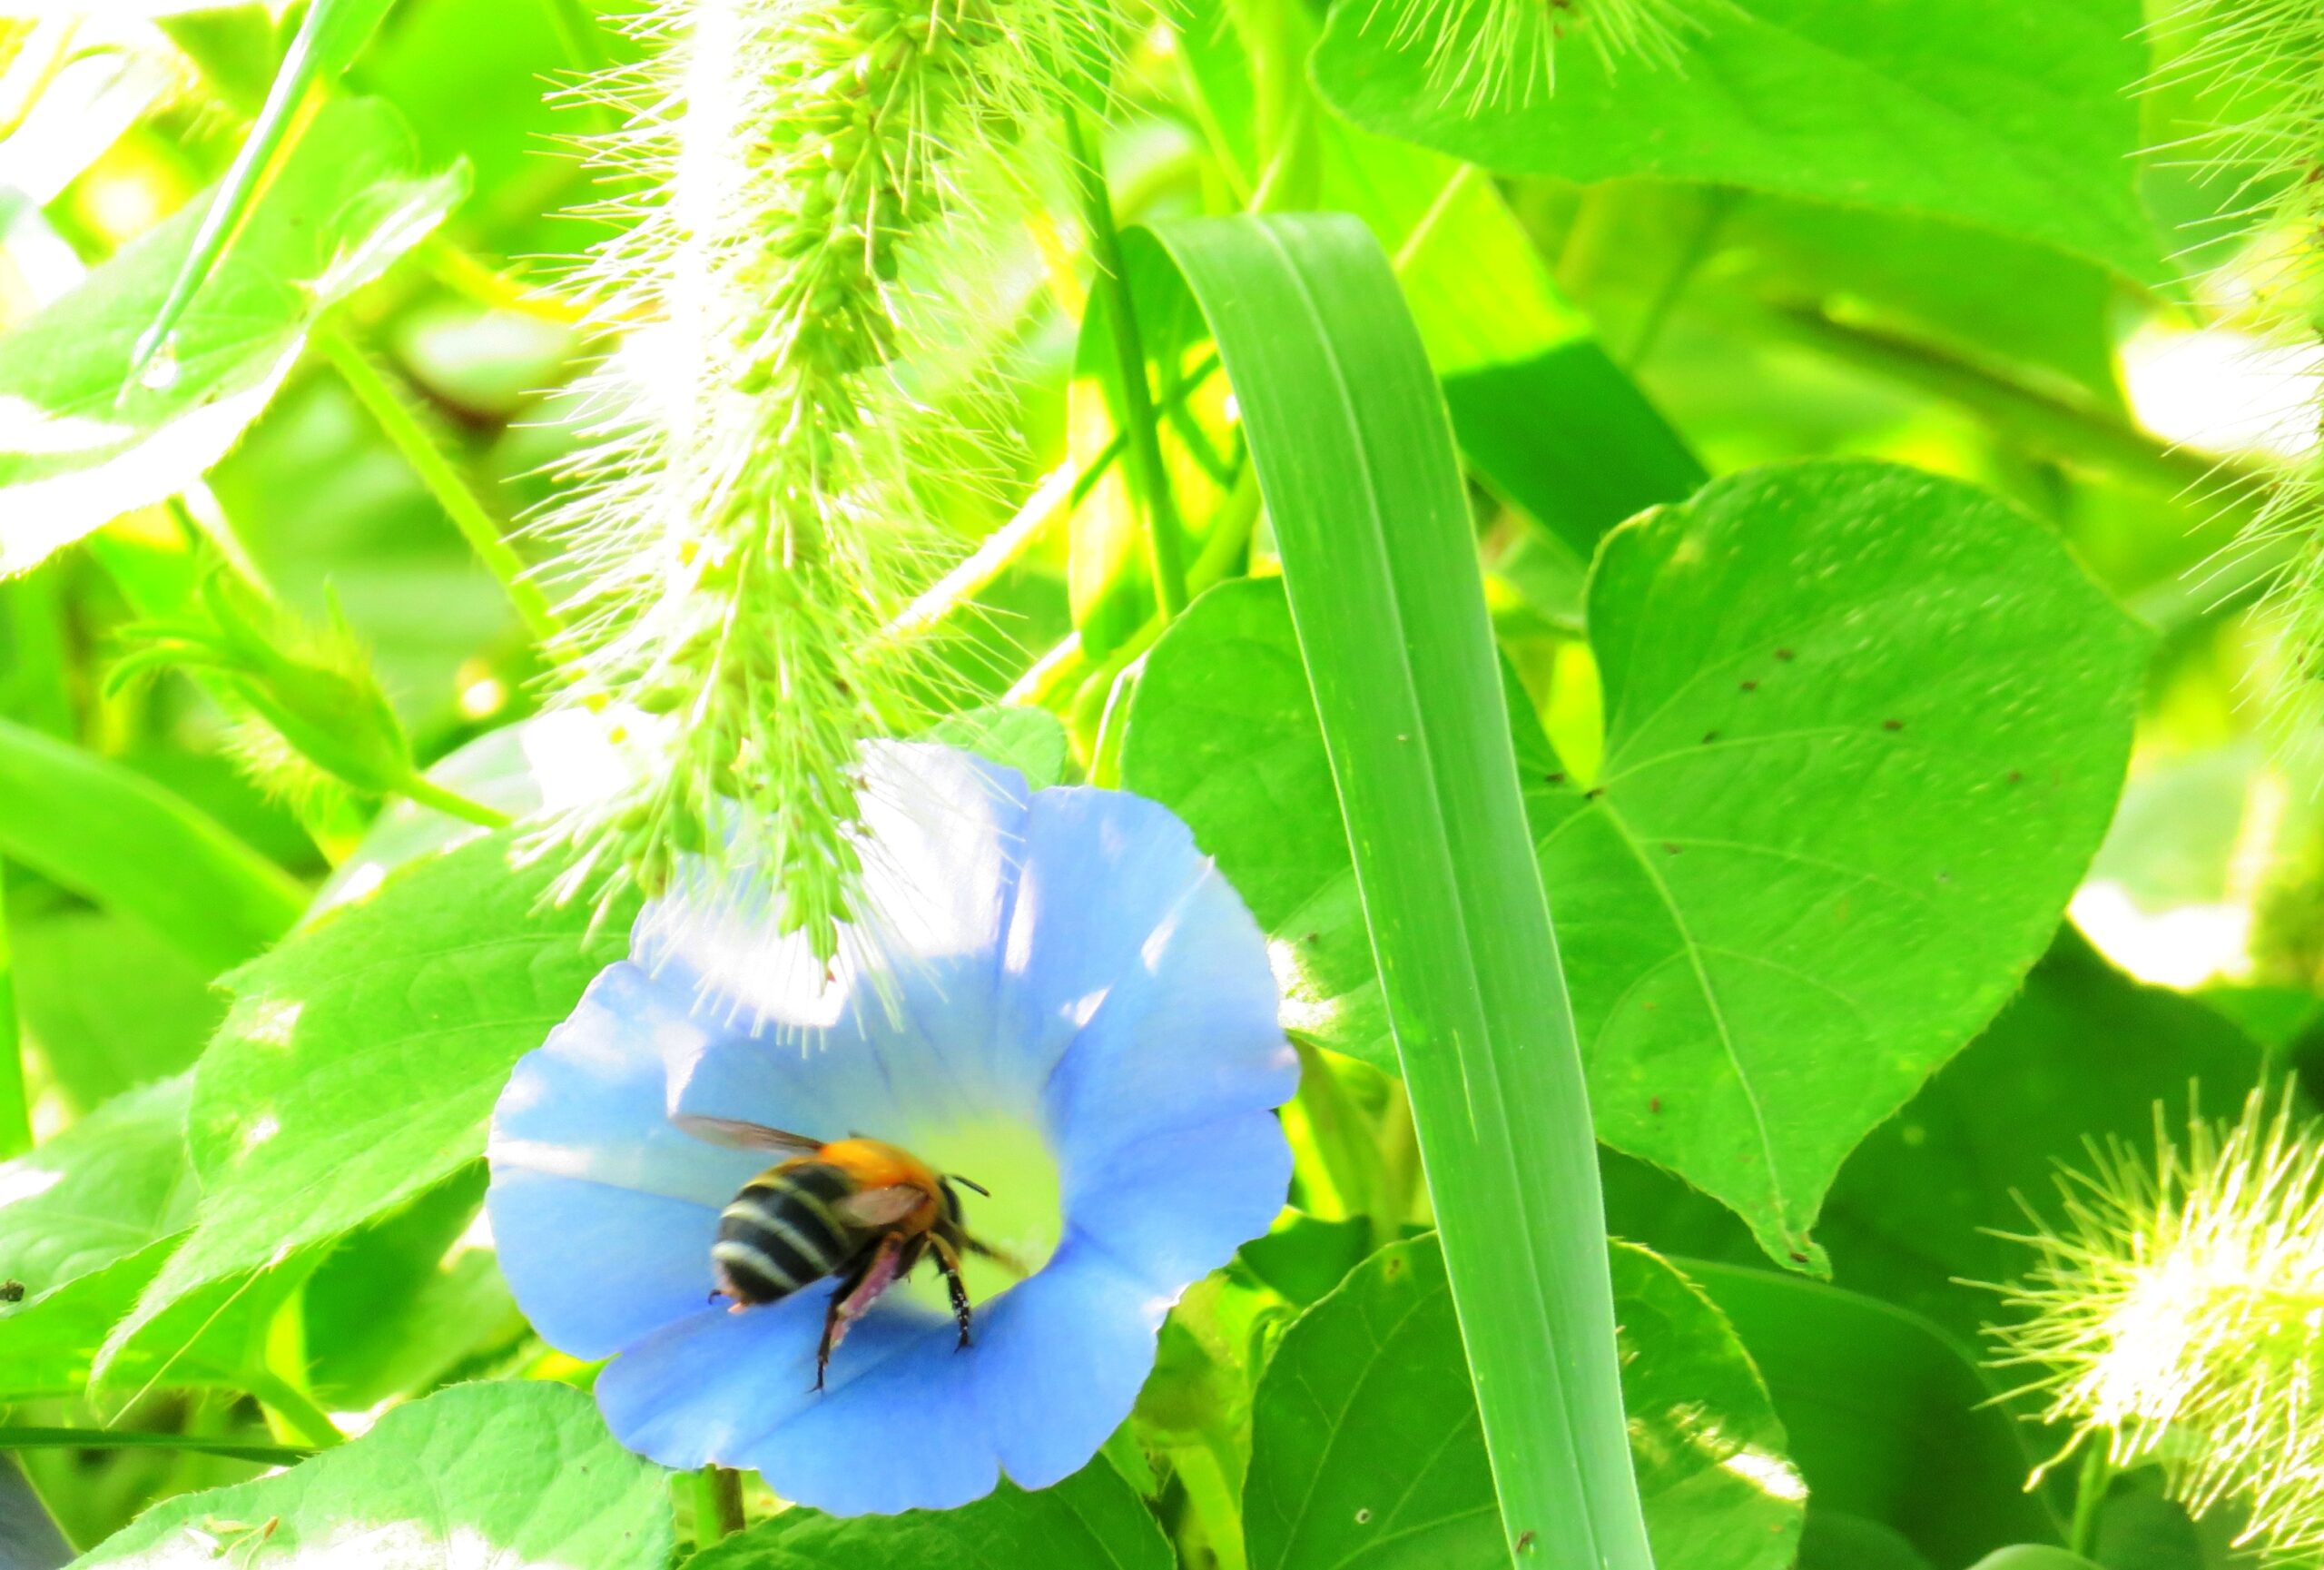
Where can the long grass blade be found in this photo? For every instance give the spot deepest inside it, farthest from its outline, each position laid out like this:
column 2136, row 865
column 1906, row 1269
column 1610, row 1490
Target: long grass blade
column 1356, row 459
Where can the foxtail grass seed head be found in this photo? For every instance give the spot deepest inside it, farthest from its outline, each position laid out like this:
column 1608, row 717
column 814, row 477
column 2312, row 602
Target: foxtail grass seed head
column 795, row 262
column 2257, row 69
column 2175, row 1316
column 1488, row 54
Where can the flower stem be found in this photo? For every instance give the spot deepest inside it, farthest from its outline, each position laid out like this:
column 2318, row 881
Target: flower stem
column 2089, row 1495
column 436, row 472
column 428, row 793
column 717, row 1505
column 16, row 1116
column 1165, row 557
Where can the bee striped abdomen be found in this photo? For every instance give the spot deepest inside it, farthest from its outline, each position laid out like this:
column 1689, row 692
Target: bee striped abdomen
column 778, row 1234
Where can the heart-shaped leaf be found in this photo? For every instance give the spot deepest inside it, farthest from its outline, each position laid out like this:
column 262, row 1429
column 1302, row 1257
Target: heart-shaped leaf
column 1762, row 966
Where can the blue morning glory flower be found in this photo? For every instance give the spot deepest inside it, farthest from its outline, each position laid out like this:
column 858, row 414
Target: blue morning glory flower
column 1055, row 996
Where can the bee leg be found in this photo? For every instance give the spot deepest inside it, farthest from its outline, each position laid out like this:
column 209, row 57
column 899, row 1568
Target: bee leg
column 1002, row 1257
column 948, row 1261
column 851, row 1301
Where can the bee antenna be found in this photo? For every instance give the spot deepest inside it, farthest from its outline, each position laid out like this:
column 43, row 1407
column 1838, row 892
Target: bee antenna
column 969, row 1183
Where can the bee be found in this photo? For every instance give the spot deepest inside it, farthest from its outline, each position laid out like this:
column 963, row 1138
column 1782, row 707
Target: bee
column 860, row 1210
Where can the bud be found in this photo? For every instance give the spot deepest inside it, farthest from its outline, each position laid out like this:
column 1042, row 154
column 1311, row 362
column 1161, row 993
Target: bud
column 312, row 691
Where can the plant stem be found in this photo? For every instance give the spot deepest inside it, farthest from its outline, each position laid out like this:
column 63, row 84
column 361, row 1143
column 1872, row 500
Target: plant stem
column 2089, row 1495
column 26, row 1439
column 2071, row 429
column 1164, row 559
column 15, row 1112
column 443, row 481
column 1718, row 203
column 296, row 1409
column 429, row 794
column 717, row 1505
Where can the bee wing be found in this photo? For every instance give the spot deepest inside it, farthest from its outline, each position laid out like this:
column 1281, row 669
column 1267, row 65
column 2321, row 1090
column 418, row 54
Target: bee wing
column 745, row 1136
column 880, row 1207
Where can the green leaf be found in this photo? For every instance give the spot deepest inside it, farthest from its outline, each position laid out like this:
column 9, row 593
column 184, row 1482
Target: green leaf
column 1794, row 665
column 87, row 441
column 125, row 843
column 1356, row 462
column 1888, row 1418
column 1541, row 412
column 2083, row 1053
column 2033, row 1557
column 394, row 1307
column 1222, row 731
column 330, row 35
column 1092, row 1521
column 1762, row 969
column 85, row 1220
column 109, row 1005
column 1029, row 740
column 1365, row 1450
column 361, row 1059
column 2009, row 117
column 521, row 1475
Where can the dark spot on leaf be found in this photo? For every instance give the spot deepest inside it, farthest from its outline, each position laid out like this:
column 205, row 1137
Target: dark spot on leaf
column 1394, row 1267
column 1593, row 792
column 1654, row 1104
column 2015, row 776
column 1669, row 848
column 1364, row 1517
column 1892, row 724
column 1749, row 685
column 1314, row 937
column 12, row 1290
column 1709, row 737
column 1783, row 654
column 1798, row 1257
column 1554, row 778
column 1525, row 1541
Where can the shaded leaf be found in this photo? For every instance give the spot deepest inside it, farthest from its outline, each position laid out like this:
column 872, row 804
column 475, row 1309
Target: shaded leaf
column 1888, row 1418
column 118, row 839
column 1365, row 1450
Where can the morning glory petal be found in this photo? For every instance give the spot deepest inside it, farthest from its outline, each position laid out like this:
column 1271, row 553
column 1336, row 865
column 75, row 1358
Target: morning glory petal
column 602, row 1210
column 1056, row 994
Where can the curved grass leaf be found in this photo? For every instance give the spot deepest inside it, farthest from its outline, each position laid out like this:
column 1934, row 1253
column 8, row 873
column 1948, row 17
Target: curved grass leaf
column 330, row 35
column 520, row 1477
column 128, row 844
column 2004, row 117
column 1365, row 1450
column 82, row 439
column 1354, row 459
column 360, row 1059
column 1092, row 1521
